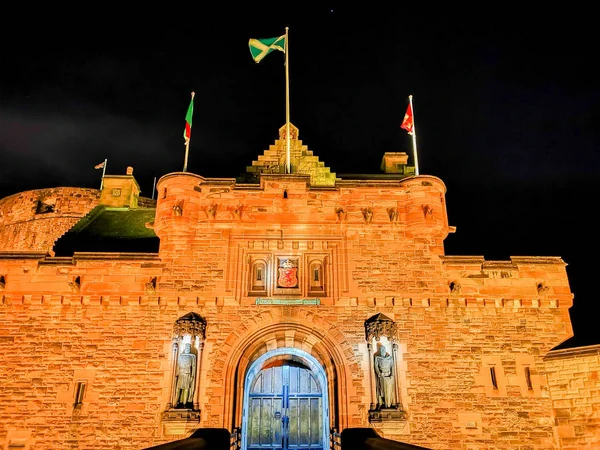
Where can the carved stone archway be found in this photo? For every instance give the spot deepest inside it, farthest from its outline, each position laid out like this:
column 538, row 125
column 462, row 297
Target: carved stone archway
column 315, row 337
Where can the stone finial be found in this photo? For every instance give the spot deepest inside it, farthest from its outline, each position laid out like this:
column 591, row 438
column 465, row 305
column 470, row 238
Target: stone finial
column 129, row 170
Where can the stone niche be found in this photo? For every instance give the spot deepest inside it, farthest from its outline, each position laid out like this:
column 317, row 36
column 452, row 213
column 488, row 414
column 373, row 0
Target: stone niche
column 182, row 414
column 386, row 404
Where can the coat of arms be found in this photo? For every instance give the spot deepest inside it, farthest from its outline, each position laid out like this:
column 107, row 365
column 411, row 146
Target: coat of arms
column 288, row 274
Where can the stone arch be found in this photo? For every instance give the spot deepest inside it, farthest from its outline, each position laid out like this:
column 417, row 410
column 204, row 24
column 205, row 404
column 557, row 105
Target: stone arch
column 293, row 354
column 288, row 327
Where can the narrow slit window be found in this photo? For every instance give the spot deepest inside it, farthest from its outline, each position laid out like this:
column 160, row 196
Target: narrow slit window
column 316, row 274
column 528, row 379
column 494, row 379
column 259, row 274
column 80, row 393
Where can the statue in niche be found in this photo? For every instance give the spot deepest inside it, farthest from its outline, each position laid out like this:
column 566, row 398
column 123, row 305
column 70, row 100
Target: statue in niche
column 385, row 385
column 186, row 377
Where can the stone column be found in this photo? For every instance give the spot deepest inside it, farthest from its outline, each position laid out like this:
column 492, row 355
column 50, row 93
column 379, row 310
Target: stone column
column 396, row 381
column 197, row 377
column 175, row 354
column 371, row 377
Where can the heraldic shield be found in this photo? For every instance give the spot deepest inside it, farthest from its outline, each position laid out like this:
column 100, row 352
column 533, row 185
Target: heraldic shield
column 288, row 274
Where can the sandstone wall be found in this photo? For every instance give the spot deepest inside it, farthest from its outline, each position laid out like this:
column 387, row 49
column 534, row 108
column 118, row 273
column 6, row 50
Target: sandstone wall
column 574, row 386
column 107, row 319
column 34, row 220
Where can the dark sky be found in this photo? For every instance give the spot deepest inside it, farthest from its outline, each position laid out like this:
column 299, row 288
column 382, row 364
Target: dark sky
column 506, row 108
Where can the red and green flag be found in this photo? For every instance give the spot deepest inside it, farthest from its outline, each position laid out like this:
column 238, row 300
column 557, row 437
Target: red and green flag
column 187, row 133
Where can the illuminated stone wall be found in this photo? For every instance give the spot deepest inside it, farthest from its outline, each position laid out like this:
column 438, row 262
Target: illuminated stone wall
column 34, row 220
column 574, row 386
column 107, row 320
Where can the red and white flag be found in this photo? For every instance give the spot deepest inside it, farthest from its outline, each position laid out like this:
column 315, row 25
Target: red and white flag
column 408, row 123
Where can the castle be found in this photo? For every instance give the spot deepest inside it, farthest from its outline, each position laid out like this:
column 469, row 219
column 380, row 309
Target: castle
column 282, row 305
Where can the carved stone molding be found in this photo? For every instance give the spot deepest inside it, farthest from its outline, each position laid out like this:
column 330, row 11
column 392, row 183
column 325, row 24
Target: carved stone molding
column 191, row 324
column 367, row 215
column 178, row 208
column 237, row 212
column 151, row 286
column 179, row 421
column 455, row 287
column 212, row 211
column 378, row 326
column 387, row 415
column 542, row 288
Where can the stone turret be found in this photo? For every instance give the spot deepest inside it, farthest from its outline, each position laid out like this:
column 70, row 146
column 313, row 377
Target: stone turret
column 120, row 191
column 426, row 213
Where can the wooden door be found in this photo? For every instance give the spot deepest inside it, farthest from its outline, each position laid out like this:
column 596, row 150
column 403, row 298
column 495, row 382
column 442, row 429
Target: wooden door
column 285, row 410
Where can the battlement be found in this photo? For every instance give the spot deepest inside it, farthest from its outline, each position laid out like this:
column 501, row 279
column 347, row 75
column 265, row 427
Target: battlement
column 415, row 204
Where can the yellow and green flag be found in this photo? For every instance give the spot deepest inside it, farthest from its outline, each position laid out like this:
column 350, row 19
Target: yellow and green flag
column 259, row 48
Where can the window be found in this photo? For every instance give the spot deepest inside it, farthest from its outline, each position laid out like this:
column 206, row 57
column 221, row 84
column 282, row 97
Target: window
column 316, row 284
column 258, row 277
column 494, row 379
column 80, row 393
column 528, row 379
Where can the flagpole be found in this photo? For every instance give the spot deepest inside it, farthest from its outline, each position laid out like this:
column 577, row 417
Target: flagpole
column 103, row 172
column 153, row 188
column 414, row 137
column 287, row 101
column 187, row 145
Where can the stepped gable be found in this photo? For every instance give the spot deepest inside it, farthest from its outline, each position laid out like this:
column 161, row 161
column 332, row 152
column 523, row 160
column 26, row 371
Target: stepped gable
column 302, row 160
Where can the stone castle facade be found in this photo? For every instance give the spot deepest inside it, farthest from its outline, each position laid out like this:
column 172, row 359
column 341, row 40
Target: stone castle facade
column 283, row 306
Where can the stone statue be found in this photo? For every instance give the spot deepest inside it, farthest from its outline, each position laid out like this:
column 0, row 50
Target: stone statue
column 386, row 388
column 186, row 377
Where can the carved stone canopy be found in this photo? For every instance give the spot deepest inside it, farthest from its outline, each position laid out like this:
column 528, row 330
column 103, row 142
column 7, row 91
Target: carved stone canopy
column 380, row 325
column 191, row 324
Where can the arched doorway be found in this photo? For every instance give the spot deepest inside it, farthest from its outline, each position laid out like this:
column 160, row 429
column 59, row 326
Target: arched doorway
column 285, row 402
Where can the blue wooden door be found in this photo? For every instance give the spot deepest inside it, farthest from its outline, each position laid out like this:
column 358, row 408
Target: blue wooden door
column 285, row 409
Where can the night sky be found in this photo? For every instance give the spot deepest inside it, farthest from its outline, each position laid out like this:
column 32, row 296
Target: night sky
column 506, row 107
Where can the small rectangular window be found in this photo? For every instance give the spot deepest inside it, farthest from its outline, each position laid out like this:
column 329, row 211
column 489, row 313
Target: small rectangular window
column 528, row 378
column 258, row 274
column 316, row 275
column 494, row 380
